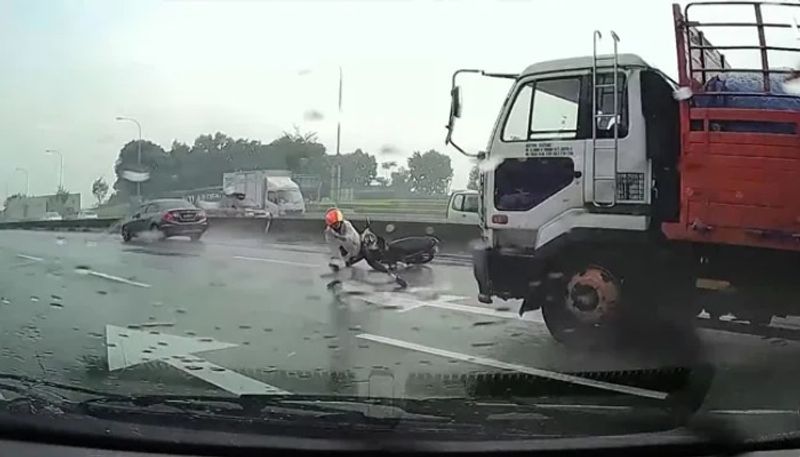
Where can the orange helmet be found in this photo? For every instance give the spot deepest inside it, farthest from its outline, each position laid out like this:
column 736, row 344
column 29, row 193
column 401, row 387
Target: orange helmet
column 333, row 217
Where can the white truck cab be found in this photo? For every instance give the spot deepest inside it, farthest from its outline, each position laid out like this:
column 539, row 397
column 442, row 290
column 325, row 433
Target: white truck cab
column 462, row 208
column 575, row 152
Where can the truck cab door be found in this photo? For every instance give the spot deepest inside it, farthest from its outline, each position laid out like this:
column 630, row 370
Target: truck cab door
column 538, row 151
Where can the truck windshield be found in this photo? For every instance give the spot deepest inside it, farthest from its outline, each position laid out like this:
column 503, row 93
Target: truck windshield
column 290, row 196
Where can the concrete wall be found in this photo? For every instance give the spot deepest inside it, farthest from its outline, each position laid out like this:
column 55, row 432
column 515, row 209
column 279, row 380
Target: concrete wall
column 33, row 208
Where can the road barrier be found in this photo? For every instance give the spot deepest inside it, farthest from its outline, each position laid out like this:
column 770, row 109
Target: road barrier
column 454, row 237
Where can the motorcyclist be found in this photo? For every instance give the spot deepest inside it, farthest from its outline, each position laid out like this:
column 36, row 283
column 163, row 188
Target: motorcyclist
column 347, row 247
column 343, row 240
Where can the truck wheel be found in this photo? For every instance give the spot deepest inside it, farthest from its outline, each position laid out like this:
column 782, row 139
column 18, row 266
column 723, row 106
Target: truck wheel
column 582, row 304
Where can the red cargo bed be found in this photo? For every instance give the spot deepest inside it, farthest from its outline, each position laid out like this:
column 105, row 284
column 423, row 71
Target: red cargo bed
column 740, row 168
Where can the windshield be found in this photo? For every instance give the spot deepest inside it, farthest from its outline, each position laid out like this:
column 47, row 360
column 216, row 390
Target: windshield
column 290, row 196
column 277, row 241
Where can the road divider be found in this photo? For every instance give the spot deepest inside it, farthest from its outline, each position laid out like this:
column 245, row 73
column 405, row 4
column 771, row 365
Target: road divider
column 454, row 238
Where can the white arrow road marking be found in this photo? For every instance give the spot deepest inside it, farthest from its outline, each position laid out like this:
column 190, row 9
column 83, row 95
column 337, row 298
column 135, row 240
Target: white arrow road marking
column 281, row 262
column 225, row 379
column 402, row 301
column 128, row 347
column 98, row 274
column 406, row 301
column 518, row 368
column 30, row 257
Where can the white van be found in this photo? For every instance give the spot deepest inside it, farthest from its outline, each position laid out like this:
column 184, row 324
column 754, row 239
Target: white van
column 463, row 207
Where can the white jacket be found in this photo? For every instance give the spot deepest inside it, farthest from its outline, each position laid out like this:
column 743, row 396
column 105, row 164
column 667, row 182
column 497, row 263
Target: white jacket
column 344, row 245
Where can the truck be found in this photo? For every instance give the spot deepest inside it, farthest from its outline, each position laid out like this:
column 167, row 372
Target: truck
column 271, row 190
column 612, row 192
column 462, row 207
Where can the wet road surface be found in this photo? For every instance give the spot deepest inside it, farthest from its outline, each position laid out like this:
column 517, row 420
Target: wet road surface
column 246, row 316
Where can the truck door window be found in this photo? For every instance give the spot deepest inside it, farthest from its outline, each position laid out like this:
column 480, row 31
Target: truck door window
column 516, row 128
column 470, row 204
column 545, row 109
column 522, row 184
column 272, row 196
column 605, row 105
column 555, row 109
column 458, row 202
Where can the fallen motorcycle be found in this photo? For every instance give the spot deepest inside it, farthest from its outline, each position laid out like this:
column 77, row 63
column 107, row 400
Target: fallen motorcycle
column 410, row 250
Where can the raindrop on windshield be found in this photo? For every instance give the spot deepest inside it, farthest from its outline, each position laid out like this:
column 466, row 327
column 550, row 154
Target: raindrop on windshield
column 482, row 344
column 389, row 149
column 34, row 298
column 56, row 305
column 5, row 301
column 313, row 115
column 484, row 323
column 390, row 228
column 429, row 230
column 55, row 297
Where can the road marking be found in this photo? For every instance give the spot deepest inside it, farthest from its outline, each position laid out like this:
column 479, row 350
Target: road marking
column 281, row 262
column 755, row 412
column 630, row 390
column 128, row 347
column 116, row 278
column 225, row 379
column 30, row 257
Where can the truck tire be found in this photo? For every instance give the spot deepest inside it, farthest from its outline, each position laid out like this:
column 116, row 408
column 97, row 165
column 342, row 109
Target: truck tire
column 625, row 297
column 583, row 301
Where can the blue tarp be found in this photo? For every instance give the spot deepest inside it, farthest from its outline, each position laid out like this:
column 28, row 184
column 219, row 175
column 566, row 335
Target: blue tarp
column 750, row 83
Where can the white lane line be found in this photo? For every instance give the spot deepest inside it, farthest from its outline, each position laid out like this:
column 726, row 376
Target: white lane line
column 116, row 278
column 755, row 412
column 281, row 262
column 630, row 390
column 225, row 379
column 531, row 316
column 30, row 257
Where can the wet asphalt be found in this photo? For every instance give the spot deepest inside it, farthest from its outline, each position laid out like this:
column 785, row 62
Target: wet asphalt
column 230, row 316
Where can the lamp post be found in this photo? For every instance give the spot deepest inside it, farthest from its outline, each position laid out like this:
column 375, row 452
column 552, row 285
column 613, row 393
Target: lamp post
column 60, row 166
column 139, row 149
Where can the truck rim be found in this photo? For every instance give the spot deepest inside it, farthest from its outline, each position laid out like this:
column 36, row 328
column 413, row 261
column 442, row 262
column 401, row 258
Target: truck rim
column 592, row 295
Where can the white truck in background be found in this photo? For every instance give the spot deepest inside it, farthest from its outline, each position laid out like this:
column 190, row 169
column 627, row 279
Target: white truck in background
column 462, row 208
column 271, row 190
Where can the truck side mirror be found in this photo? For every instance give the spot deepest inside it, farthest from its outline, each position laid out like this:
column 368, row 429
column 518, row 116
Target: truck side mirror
column 455, row 102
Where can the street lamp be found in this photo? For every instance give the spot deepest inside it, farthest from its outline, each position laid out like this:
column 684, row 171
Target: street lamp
column 60, row 166
column 139, row 149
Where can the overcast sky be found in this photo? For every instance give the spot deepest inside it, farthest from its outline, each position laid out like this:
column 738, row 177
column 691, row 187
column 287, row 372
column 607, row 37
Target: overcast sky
column 253, row 68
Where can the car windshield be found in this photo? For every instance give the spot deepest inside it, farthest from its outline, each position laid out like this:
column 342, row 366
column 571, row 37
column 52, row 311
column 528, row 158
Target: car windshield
column 280, row 238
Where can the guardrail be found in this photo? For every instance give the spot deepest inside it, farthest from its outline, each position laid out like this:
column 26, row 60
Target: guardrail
column 453, row 236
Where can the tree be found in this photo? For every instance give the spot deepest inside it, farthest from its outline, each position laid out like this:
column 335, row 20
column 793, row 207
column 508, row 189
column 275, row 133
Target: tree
column 358, row 169
column 155, row 161
column 12, row 197
column 62, row 194
column 401, row 180
column 429, row 173
column 474, row 174
column 99, row 189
